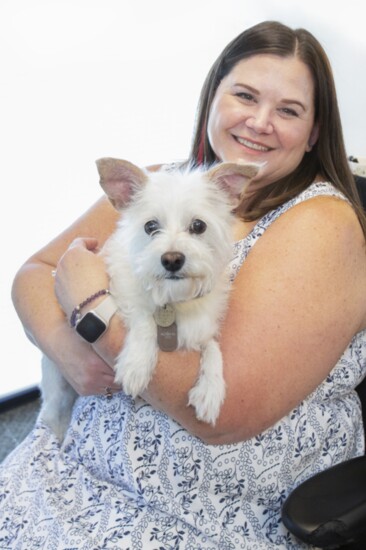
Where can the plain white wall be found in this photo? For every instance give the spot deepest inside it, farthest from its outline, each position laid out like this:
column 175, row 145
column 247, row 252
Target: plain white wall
column 82, row 79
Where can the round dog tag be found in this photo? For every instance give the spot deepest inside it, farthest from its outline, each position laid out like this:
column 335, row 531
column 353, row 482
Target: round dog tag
column 165, row 316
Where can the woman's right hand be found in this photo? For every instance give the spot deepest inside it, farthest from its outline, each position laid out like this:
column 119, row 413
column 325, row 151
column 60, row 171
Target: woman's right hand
column 80, row 365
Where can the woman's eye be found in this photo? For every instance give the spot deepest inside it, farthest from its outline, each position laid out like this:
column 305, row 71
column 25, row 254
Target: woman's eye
column 197, row 227
column 289, row 112
column 245, row 95
column 151, row 227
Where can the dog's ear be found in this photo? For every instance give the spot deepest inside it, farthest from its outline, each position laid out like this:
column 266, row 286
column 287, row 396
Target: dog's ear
column 120, row 180
column 233, row 178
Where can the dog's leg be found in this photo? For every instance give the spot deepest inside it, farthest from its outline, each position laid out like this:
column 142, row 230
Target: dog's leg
column 208, row 394
column 138, row 357
column 58, row 399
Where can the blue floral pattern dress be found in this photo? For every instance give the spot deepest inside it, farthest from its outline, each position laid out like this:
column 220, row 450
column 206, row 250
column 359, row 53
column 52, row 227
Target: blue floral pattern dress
column 129, row 477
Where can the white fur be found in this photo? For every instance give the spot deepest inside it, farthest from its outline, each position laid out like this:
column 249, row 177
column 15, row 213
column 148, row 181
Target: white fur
column 58, row 399
column 139, row 282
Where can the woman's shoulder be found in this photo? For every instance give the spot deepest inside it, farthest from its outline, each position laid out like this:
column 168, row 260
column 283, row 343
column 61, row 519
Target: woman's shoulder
column 317, row 190
column 324, row 228
column 324, row 214
column 313, row 214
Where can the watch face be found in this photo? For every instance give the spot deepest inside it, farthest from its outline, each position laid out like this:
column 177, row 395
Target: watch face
column 90, row 327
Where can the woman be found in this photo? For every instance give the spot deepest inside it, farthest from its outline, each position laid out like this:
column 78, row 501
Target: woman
column 146, row 473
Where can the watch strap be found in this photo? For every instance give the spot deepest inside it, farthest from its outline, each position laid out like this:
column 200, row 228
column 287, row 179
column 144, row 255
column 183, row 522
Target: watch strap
column 76, row 312
column 106, row 309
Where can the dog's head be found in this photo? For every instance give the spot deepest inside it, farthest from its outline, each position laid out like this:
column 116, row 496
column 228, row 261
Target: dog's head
column 176, row 225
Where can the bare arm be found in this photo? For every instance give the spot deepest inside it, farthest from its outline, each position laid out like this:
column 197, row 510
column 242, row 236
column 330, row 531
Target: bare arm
column 43, row 319
column 297, row 302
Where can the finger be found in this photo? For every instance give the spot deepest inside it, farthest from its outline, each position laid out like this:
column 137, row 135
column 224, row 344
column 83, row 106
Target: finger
column 108, row 381
column 109, row 391
column 115, row 388
column 89, row 243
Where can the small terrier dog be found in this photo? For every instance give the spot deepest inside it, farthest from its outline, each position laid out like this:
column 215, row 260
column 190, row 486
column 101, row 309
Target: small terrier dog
column 168, row 267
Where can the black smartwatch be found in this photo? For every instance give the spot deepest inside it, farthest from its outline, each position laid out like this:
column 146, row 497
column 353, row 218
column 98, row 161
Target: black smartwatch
column 95, row 322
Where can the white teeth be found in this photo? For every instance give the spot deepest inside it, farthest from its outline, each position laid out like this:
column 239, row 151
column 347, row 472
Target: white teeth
column 252, row 145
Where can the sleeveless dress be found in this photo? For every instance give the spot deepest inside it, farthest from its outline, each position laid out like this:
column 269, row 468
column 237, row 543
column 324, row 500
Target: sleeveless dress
column 129, row 477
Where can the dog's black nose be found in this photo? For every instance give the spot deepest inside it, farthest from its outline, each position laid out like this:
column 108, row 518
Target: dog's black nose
column 173, row 261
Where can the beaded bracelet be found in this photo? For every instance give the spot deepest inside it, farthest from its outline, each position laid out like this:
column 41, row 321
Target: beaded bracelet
column 75, row 315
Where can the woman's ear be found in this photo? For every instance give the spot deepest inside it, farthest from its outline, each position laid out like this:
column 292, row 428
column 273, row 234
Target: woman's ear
column 313, row 138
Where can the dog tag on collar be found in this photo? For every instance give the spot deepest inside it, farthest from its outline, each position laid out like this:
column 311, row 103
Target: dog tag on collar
column 165, row 316
column 168, row 337
column 167, row 328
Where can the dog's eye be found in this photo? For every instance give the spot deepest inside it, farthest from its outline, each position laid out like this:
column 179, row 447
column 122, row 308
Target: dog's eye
column 152, row 226
column 197, row 227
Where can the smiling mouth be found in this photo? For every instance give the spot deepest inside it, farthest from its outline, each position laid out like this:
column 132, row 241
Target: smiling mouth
column 252, row 145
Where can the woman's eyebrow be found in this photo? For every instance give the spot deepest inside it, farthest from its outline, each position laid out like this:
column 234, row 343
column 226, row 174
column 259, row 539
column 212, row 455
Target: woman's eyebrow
column 247, row 87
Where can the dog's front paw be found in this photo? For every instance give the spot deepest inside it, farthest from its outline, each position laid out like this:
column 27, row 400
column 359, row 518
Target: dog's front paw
column 207, row 400
column 131, row 383
column 133, row 379
column 138, row 358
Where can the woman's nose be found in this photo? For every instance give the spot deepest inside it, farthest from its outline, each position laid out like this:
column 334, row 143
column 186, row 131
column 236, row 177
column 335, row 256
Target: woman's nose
column 260, row 121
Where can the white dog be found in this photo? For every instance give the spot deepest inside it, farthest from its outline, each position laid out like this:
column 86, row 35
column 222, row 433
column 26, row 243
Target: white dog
column 168, row 267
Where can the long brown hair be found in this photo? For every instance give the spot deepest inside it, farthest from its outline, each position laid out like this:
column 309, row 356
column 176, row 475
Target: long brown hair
column 327, row 157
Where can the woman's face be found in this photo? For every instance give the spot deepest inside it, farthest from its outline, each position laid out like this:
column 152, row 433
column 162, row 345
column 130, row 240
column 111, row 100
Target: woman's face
column 263, row 111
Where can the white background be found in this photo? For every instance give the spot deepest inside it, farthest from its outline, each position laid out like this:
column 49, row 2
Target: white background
column 82, row 79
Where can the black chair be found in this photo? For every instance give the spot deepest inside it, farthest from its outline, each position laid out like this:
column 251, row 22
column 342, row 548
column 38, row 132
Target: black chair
column 329, row 509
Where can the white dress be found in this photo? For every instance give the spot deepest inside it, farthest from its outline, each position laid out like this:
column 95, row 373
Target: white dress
column 129, row 477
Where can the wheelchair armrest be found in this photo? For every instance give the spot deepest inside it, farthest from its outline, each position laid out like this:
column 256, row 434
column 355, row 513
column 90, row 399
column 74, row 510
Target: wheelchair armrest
column 329, row 509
